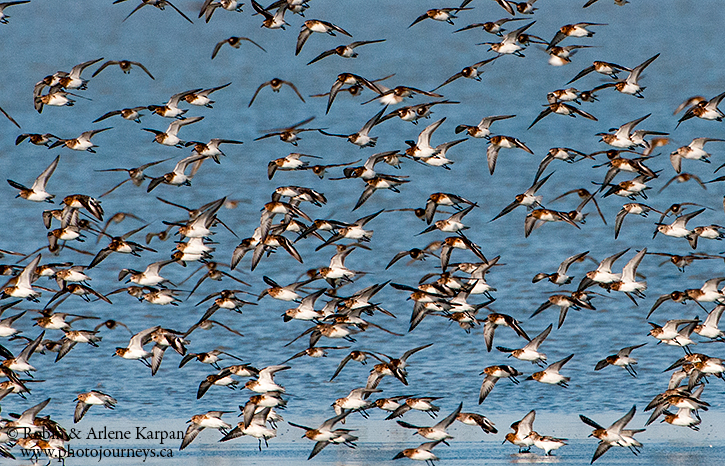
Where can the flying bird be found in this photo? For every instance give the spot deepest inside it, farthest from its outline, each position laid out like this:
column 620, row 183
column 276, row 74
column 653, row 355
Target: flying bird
column 234, row 42
column 344, row 51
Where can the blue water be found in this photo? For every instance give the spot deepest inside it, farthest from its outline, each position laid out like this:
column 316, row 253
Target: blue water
column 43, row 37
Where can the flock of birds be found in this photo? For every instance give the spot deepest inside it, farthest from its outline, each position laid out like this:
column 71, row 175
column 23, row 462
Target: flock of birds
column 628, row 168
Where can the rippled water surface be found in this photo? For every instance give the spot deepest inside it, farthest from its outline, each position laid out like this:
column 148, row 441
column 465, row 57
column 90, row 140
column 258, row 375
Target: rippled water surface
column 43, row 37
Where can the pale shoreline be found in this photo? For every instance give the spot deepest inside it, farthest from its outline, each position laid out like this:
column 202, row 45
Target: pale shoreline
column 381, row 440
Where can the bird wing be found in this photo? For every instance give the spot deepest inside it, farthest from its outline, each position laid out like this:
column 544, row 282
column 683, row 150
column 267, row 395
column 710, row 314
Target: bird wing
column 541, row 115
column 76, row 71
column 582, row 73
column 424, row 137
column 538, row 339
column 141, row 337
column 217, row 47
column 410, row 352
column 80, row 411
column 143, row 68
column 333, row 92
column 105, row 65
column 204, row 387
column 107, row 115
column 625, row 130
column 177, row 124
column 623, row 421
column 506, row 210
column 319, row 446
column 557, row 38
column 178, row 11
column 618, row 222
column 601, row 365
column 450, row 80
column 330, row 423
column 372, row 122
column 42, row 179
column 25, row 277
column 29, row 348
column 492, row 156
column 191, row 432
column 294, row 88
column 157, row 356
column 630, row 270
column 419, row 19
column 367, row 192
column 624, row 352
column 506, row 5
column 324, row 54
column 637, row 70
column 606, row 264
column 342, row 364
column 682, row 221
column 570, row 260
column 9, row 117
column 305, row 33
column 287, row 245
column 713, row 318
column 584, row 114
column 399, row 411
column 141, row 5
column 589, row 422
column 442, row 425
column 513, row 323
column 488, row 332
column 486, row 387
column 556, row 367
column 396, row 258
column 603, row 446
column 544, row 163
